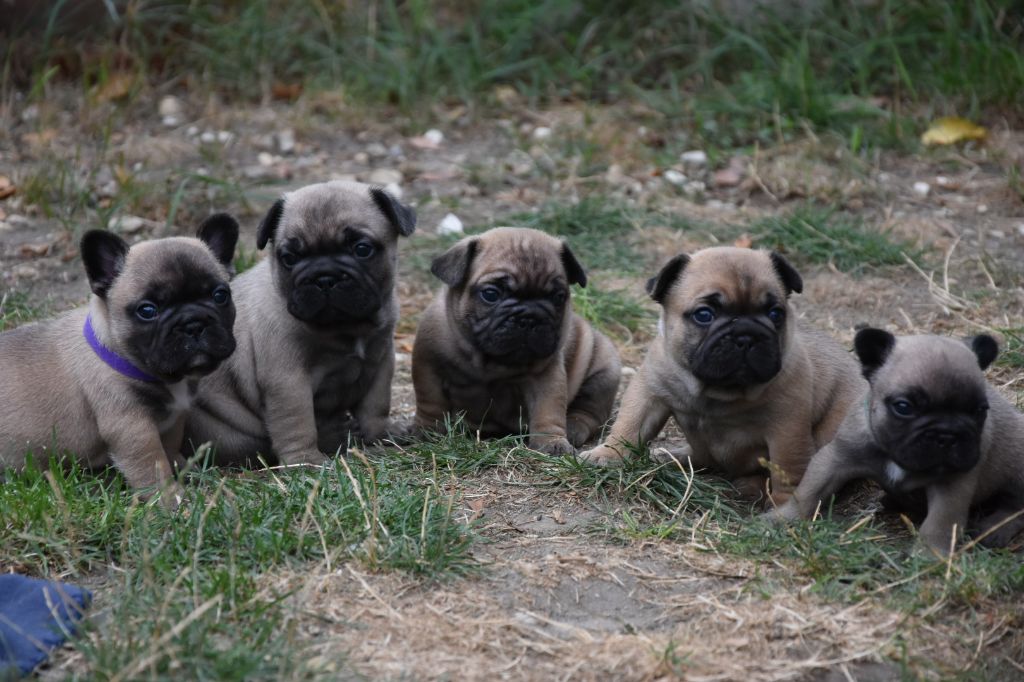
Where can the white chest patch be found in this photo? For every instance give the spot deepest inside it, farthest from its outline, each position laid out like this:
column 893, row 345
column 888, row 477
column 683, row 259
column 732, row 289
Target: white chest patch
column 181, row 401
column 895, row 473
column 661, row 325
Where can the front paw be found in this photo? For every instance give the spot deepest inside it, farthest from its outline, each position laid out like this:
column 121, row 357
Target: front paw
column 555, row 446
column 304, row 457
column 171, row 496
column 602, row 455
column 782, row 514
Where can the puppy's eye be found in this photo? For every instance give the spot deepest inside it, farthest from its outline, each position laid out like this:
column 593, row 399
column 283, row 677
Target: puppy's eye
column 363, row 250
column 559, row 296
column 288, row 259
column 703, row 316
column 902, row 408
column 147, row 311
column 777, row 314
column 221, row 295
column 490, row 294
column 981, row 409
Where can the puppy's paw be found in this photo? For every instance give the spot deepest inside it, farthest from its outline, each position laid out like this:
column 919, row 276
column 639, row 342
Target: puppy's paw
column 602, row 455
column 552, row 445
column 171, row 496
column 309, row 457
column 675, row 457
column 782, row 514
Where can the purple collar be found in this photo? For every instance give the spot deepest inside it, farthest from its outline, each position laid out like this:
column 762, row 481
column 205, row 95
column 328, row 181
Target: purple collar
column 118, row 363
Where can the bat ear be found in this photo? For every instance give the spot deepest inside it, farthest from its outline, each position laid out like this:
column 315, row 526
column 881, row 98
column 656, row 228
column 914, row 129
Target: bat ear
column 401, row 216
column 573, row 269
column 986, row 348
column 452, row 266
column 268, row 226
column 220, row 232
column 658, row 286
column 103, row 254
column 873, row 347
column 787, row 273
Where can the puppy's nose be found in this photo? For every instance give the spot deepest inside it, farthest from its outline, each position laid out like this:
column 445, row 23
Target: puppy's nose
column 944, row 439
column 527, row 322
column 743, row 340
column 326, row 281
column 194, row 328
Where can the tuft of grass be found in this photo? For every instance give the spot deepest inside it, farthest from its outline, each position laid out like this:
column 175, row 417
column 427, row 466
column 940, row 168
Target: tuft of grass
column 16, row 310
column 1012, row 354
column 820, row 235
column 194, row 598
column 617, row 312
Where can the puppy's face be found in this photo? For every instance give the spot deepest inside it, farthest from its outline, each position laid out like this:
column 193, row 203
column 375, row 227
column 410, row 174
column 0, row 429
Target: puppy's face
column 509, row 292
column 167, row 300
column 335, row 250
column 927, row 399
column 726, row 316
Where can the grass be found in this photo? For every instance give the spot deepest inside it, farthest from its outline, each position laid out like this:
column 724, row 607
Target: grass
column 17, row 309
column 818, row 235
column 620, row 313
column 731, row 77
column 194, row 594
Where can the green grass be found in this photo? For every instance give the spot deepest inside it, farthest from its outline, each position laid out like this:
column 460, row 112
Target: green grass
column 196, row 594
column 731, row 77
column 620, row 313
column 1012, row 352
column 16, row 310
column 817, row 235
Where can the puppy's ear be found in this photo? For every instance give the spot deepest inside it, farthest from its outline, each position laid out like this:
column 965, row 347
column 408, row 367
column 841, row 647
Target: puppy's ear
column 452, row 266
column 103, row 254
column 573, row 269
column 268, row 226
column 659, row 285
column 985, row 347
column 401, row 216
column 873, row 347
column 787, row 273
column 220, row 232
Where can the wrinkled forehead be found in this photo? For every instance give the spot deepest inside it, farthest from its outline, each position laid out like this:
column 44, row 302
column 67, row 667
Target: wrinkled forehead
column 520, row 260
column 177, row 267
column 321, row 214
column 944, row 370
column 738, row 281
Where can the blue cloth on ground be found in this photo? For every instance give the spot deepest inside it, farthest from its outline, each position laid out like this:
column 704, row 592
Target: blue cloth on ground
column 35, row 616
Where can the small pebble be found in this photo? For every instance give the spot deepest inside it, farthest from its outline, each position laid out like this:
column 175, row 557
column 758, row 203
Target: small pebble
column 192, row 131
column 265, row 159
column 170, row 121
column 361, row 157
column 170, row 106
column 385, row 176
column 694, row 157
column 982, row 208
column 450, row 224
column 224, row 136
column 208, row 137
column 922, row 189
column 434, row 136
column 541, row 133
column 286, row 140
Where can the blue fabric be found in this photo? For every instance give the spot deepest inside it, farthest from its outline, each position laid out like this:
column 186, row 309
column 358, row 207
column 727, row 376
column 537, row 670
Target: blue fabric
column 35, row 616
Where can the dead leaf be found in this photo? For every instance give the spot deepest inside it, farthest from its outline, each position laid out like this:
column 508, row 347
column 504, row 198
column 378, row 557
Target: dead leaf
column 727, row 177
column 7, row 187
column 286, row 91
column 743, row 241
column 951, row 130
column 404, row 342
column 559, row 516
column 40, row 139
column 33, row 250
column 116, row 87
column 122, row 175
column 478, row 505
column 3, row 214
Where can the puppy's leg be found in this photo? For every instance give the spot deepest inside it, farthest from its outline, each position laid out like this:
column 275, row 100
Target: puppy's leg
column 948, row 506
column 547, row 404
column 789, row 453
column 291, row 422
column 592, row 406
column 641, row 418
column 431, row 404
column 374, row 410
column 829, row 470
column 172, row 441
column 138, row 453
column 1004, row 534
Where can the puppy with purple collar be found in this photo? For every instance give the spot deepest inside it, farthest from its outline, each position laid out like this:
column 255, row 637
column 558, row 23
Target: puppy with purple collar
column 110, row 383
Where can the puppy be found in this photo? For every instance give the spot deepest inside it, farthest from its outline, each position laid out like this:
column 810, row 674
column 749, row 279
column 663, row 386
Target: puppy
column 928, row 421
column 501, row 343
column 316, row 321
column 746, row 383
column 111, row 382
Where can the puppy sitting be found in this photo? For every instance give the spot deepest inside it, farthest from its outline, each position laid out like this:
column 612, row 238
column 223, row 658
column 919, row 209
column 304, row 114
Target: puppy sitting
column 744, row 381
column 316, row 322
column 930, row 422
column 111, row 382
column 501, row 343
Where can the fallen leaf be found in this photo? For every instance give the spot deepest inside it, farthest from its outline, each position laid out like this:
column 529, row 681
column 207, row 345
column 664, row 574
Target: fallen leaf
column 40, row 139
column 743, row 241
column 7, row 187
column 559, row 516
column 3, row 214
column 951, row 130
column 727, row 177
column 116, row 87
column 477, row 506
column 33, row 250
column 286, row 91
